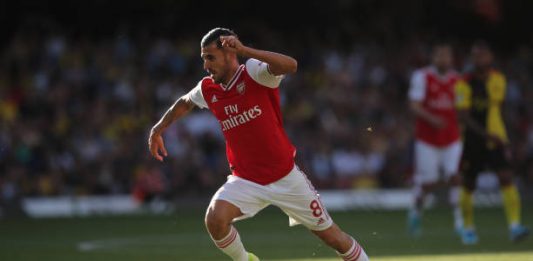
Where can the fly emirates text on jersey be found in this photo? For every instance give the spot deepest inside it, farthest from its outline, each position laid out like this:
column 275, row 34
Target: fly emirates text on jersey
column 236, row 119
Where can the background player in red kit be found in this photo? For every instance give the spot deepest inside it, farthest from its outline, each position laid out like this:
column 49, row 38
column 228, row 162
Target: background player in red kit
column 437, row 145
column 245, row 100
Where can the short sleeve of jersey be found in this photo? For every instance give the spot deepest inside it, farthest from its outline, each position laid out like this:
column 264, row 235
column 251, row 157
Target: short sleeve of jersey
column 463, row 95
column 259, row 71
column 196, row 96
column 417, row 88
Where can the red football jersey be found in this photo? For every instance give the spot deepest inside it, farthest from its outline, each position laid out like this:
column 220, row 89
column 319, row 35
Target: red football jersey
column 436, row 92
column 248, row 110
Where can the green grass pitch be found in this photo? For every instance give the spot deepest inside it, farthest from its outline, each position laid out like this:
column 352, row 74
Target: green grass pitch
column 181, row 236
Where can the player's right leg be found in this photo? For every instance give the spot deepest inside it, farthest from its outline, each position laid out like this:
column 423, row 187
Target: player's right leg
column 466, row 202
column 237, row 199
column 426, row 174
column 472, row 163
column 218, row 220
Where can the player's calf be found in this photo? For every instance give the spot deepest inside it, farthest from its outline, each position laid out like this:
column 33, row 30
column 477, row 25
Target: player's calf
column 355, row 253
column 347, row 247
column 232, row 246
column 219, row 216
column 225, row 236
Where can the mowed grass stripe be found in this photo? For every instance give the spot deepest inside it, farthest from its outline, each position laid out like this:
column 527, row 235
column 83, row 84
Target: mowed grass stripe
column 527, row 256
column 182, row 236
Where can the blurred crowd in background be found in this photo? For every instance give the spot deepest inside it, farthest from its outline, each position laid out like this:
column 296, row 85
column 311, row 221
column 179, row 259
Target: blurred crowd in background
column 75, row 109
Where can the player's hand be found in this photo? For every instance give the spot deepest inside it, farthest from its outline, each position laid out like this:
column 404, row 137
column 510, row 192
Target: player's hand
column 156, row 145
column 437, row 123
column 232, row 44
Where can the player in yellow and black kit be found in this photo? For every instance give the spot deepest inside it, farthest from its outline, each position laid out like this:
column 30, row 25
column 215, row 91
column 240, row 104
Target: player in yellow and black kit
column 480, row 96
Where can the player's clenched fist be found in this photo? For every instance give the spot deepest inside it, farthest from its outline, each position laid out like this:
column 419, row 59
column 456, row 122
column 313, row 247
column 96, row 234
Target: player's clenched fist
column 156, row 145
column 232, row 43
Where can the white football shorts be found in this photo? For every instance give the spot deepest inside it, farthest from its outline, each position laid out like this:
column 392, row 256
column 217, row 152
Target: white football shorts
column 294, row 194
column 430, row 160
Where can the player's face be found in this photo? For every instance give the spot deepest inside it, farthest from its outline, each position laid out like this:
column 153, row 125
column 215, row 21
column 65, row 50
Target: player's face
column 443, row 57
column 481, row 57
column 215, row 62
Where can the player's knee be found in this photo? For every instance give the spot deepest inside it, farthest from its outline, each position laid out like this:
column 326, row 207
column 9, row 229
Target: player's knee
column 215, row 221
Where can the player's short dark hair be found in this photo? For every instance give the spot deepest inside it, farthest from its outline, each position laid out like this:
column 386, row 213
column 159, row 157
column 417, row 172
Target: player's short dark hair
column 214, row 35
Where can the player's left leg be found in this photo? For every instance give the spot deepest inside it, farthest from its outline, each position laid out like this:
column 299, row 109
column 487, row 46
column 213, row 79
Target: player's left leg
column 500, row 161
column 296, row 196
column 451, row 157
column 454, row 195
column 512, row 205
column 347, row 247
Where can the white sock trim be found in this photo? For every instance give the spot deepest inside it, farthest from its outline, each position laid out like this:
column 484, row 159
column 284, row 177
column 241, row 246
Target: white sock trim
column 232, row 246
column 227, row 240
column 353, row 253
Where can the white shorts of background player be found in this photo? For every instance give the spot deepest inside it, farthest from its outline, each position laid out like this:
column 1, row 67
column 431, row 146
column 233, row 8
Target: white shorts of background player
column 431, row 160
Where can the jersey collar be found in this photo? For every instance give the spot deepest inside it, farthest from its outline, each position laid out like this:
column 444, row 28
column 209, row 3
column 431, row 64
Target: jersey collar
column 233, row 79
column 442, row 77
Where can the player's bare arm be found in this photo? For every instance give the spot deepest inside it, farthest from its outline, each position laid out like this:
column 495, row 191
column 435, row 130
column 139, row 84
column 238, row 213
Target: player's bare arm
column 419, row 111
column 155, row 142
column 278, row 64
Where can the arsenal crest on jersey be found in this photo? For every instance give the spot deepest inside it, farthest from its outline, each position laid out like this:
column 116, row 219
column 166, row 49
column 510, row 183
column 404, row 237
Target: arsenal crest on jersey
column 240, row 87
